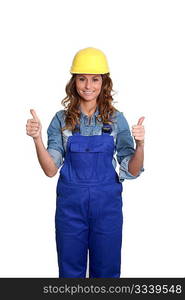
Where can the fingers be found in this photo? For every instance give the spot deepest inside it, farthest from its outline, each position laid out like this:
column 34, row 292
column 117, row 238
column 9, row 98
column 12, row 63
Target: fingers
column 140, row 121
column 138, row 130
column 139, row 136
column 33, row 126
column 35, row 121
column 139, row 127
column 32, row 123
column 35, row 117
column 30, row 126
column 32, row 129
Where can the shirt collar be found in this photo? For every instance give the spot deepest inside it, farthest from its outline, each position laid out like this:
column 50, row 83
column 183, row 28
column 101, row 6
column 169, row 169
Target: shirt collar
column 95, row 113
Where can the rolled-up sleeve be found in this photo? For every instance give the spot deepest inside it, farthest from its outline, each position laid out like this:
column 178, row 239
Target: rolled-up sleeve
column 55, row 144
column 125, row 148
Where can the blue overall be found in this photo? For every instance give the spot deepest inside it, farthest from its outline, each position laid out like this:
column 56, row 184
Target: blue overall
column 89, row 208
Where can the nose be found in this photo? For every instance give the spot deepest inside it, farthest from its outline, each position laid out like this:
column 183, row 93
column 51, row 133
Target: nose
column 88, row 84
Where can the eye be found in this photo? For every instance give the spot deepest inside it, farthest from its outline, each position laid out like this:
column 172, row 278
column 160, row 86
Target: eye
column 96, row 79
column 81, row 79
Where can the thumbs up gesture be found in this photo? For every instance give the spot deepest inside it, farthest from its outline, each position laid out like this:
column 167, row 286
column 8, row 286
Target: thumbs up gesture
column 33, row 126
column 138, row 131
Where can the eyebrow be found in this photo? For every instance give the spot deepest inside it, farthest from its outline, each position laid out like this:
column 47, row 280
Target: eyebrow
column 85, row 76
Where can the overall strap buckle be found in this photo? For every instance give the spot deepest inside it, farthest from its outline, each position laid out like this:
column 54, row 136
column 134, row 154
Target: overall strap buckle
column 107, row 128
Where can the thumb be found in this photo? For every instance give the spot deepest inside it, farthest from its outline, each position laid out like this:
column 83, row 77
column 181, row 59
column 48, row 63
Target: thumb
column 32, row 111
column 140, row 121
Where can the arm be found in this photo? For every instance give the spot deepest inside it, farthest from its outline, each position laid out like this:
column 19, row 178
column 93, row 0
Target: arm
column 55, row 147
column 136, row 162
column 50, row 159
column 44, row 158
column 129, row 158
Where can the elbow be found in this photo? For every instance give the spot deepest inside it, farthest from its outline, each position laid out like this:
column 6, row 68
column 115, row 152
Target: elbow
column 52, row 171
column 134, row 173
column 50, row 174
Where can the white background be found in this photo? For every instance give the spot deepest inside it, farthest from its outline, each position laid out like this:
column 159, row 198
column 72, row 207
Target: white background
column 145, row 46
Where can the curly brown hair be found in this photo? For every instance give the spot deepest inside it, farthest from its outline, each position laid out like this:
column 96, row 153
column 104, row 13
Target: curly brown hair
column 104, row 102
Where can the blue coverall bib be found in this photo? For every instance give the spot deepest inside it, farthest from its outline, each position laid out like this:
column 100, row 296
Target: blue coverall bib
column 89, row 208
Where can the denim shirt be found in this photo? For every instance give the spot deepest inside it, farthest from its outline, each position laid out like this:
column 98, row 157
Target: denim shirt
column 124, row 150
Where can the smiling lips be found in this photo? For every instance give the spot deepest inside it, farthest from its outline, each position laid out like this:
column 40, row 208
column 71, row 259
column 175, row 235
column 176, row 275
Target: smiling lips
column 88, row 93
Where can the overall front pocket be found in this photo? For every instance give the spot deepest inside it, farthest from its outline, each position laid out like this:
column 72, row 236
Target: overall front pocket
column 84, row 158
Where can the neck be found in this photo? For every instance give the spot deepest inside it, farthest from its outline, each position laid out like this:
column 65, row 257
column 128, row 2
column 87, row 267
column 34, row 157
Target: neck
column 88, row 108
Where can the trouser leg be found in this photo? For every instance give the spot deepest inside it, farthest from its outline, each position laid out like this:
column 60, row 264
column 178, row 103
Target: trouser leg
column 72, row 232
column 105, row 236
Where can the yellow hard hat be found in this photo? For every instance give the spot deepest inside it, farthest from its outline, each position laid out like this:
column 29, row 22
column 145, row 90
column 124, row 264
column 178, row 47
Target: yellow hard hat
column 89, row 61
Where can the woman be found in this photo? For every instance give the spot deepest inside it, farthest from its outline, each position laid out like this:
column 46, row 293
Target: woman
column 83, row 139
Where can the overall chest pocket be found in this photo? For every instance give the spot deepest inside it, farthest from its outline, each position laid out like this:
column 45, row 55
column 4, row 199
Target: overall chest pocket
column 84, row 158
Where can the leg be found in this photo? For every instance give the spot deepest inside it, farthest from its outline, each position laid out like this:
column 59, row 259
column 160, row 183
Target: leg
column 105, row 237
column 72, row 232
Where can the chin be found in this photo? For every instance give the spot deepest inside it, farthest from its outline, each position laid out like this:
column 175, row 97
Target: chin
column 88, row 98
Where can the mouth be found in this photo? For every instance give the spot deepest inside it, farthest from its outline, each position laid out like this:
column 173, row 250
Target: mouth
column 87, row 93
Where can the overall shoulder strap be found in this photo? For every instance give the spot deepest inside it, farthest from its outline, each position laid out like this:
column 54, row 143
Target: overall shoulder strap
column 106, row 129
column 76, row 131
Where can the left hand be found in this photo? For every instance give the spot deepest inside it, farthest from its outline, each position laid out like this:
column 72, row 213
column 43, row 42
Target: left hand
column 138, row 131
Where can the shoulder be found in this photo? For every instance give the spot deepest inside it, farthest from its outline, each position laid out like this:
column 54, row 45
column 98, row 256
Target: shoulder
column 60, row 116
column 122, row 123
column 57, row 120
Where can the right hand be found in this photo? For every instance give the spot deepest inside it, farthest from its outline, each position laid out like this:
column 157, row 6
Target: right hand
column 33, row 126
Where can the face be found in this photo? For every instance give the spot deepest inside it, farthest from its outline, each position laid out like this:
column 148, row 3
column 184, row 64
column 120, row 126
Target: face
column 88, row 86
